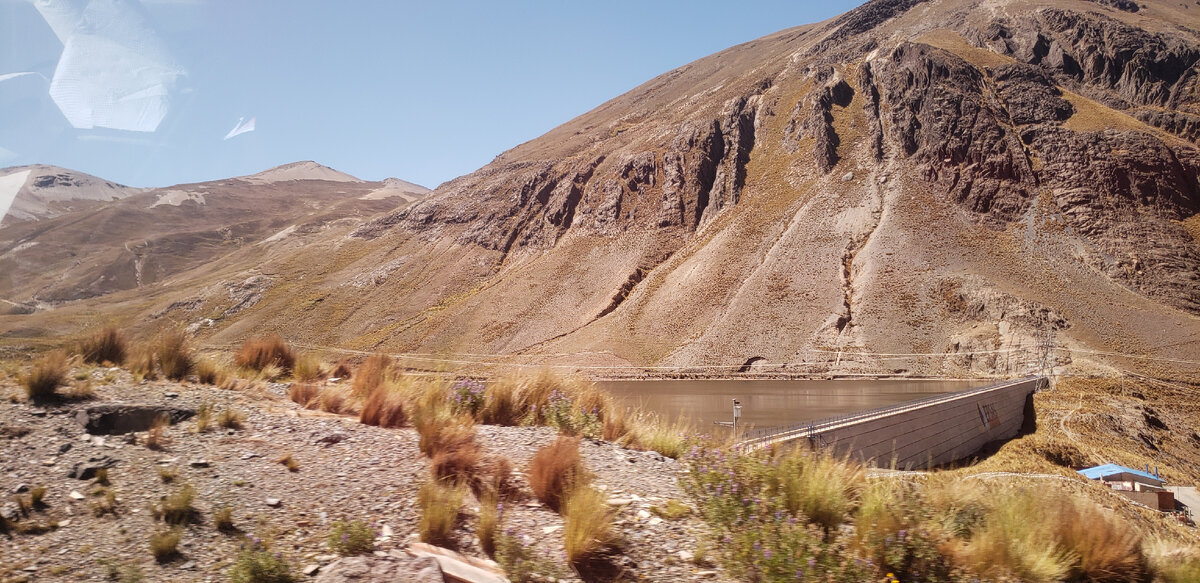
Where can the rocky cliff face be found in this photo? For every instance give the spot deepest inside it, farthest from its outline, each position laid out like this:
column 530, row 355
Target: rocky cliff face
column 816, row 192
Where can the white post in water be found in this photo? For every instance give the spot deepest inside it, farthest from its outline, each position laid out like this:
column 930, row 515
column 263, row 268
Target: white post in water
column 737, row 413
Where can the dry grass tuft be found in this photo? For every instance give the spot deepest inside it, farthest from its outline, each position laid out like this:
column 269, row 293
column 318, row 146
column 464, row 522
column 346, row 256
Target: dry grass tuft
column 223, row 519
column 440, row 504
column 42, row 382
column 167, row 475
column 588, row 533
column 384, row 406
column 304, row 394
column 174, row 354
column 457, row 456
column 370, row 376
column 335, row 400
column 156, row 437
column 289, row 462
column 107, row 345
column 488, row 522
column 820, row 487
column 210, row 372
column 308, row 369
column 341, row 370
column 555, row 471
column 105, row 503
column 231, row 418
column 164, row 544
column 262, row 352
column 143, row 363
column 80, row 391
column 177, row 508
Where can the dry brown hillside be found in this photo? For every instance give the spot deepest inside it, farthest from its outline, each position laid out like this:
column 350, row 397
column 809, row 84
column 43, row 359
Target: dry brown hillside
column 975, row 181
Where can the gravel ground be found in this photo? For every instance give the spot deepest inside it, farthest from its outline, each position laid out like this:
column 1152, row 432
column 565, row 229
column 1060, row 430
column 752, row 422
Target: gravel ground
column 369, row 474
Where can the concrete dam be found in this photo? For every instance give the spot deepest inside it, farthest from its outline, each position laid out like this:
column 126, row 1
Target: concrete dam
column 918, row 434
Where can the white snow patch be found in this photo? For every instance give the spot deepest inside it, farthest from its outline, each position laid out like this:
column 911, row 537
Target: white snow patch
column 9, row 187
column 178, row 197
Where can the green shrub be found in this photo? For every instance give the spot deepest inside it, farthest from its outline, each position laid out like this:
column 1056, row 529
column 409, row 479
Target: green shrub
column 351, row 538
column 255, row 564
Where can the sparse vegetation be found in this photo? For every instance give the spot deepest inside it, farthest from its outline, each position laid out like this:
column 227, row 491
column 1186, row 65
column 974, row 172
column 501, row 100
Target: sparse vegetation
column 370, row 375
column 156, row 436
column 263, row 352
column 80, row 390
column 210, row 372
column 174, row 354
column 104, row 502
column 223, row 519
column 107, row 345
column 555, row 470
column 37, row 497
column 102, row 477
column 348, row 538
column 384, row 406
column 589, row 532
column 304, row 394
column 164, row 544
column 778, row 514
column 231, row 418
column 256, row 564
column 523, row 564
column 672, row 510
column 176, row 508
column 204, row 414
column 440, row 504
column 308, row 369
column 167, row 474
column 42, row 382
column 289, row 462
column 488, row 521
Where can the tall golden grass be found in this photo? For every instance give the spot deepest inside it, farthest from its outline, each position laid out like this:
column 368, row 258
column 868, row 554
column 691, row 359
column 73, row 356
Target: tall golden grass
column 48, row 373
column 105, row 345
column 555, row 471
column 261, row 352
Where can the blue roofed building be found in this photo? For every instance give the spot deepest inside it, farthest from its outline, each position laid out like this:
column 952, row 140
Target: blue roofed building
column 1140, row 486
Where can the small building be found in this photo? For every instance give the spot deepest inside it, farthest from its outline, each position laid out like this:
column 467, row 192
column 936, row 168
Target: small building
column 1142, row 487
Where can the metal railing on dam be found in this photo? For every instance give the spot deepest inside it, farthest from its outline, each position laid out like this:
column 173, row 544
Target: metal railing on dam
column 927, row 432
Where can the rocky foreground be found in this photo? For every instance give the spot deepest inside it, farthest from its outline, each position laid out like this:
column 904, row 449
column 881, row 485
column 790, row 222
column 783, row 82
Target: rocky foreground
column 343, row 471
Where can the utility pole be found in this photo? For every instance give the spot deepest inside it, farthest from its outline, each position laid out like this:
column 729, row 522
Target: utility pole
column 737, row 414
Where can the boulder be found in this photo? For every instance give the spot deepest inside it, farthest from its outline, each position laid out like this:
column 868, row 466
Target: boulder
column 381, row 570
column 111, row 419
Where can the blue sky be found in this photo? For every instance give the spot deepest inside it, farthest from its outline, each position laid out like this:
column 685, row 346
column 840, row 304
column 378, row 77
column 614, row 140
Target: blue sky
column 424, row 91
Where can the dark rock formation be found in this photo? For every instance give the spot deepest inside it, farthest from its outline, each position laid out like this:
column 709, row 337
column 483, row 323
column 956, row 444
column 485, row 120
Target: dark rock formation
column 111, row 419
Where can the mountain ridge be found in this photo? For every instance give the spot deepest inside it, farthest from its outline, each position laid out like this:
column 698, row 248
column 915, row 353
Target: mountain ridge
column 964, row 184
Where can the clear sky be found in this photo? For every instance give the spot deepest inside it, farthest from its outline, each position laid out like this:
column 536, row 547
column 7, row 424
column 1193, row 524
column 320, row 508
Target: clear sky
column 424, row 91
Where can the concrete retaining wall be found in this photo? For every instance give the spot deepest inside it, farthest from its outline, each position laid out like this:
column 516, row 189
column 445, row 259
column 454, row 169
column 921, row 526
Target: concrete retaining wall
column 938, row 433
column 924, row 433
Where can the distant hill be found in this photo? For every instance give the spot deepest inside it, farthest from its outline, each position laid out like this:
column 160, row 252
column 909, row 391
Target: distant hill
column 39, row 192
column 150, row 235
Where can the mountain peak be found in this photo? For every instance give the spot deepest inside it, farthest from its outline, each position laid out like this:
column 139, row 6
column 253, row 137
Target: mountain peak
column 303, row 170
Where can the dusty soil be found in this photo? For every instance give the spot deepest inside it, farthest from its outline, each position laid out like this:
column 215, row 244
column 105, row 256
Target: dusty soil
column 369, row 474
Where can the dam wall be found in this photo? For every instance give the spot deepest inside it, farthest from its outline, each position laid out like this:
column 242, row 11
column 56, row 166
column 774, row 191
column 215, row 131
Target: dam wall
column 930, row 432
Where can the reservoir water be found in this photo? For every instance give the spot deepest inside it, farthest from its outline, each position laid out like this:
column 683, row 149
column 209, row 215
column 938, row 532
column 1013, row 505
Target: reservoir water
column 769, row 403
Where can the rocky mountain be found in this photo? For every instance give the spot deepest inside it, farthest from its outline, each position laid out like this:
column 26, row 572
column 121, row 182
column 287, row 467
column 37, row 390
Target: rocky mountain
column 39, row 191
column 916, row 186
column 149, row 236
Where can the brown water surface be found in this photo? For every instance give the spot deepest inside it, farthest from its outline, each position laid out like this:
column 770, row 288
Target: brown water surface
column 769, row 403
